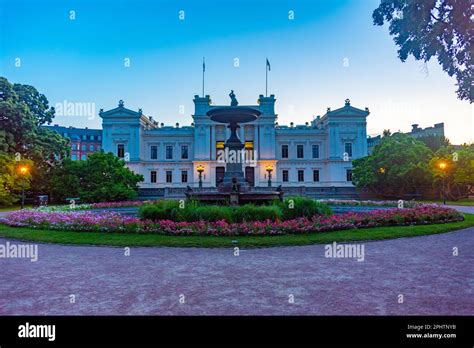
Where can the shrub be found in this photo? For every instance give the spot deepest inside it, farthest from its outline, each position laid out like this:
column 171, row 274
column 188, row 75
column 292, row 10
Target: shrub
column 250, row 212
column 295, row 207
column 162, row 210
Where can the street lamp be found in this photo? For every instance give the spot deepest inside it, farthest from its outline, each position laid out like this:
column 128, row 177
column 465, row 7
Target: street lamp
column 23, row 170
column 382, row 170
column 200, row 169
column 269, row 169
column 443, row 166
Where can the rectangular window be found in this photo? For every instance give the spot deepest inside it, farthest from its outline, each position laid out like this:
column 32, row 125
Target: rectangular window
column 169, row 152
column 284, row 151
column 315, row 151
column 184, row 153
column 184, row 176
column 84, row 137
column 84, row 147
column 348, row 149
column 299, row 151
column 153, row 176
column 315, row 175
column 121, row 150
column 74, row 157
column 154, row 152
column 169, row 176
column 300, row 175
column 284, row 175
column 73, row 146
column 349, row 175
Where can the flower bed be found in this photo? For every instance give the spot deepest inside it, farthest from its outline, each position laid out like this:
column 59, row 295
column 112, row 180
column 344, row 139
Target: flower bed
column 87, row 206
column 112, row 222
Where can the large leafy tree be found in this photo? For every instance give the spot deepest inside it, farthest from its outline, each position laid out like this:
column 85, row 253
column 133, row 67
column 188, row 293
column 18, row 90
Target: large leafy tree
column 23, row 110
column 102, row 177
column 433, row 28
column 11, row 181
column 457, row 177
column 397, row 166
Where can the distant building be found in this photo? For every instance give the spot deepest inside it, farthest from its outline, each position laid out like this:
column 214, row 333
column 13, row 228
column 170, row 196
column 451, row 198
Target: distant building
column 416, row 132
column 84, row 141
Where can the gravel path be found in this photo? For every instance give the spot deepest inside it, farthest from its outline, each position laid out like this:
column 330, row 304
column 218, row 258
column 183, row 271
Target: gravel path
column 258, row 281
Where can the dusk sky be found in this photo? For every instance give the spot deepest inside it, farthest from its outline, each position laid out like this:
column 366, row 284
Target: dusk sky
column 82, row 60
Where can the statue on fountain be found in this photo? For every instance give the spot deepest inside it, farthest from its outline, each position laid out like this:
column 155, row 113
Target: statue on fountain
column 233, row 99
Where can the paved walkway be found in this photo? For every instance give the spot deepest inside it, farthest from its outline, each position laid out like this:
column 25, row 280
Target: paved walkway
column 258, row 282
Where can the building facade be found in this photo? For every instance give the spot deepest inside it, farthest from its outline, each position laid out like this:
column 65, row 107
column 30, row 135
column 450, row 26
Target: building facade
column 317, row 154
column 84, row 141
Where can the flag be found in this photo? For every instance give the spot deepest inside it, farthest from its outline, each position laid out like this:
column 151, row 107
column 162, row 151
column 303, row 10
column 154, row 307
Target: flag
column 203, row 65
column 268, row 65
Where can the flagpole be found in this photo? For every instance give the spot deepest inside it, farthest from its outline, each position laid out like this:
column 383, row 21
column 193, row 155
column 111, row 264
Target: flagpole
column 203, row 71
column 266, row 78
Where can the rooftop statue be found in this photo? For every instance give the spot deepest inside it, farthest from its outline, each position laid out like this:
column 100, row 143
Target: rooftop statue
column 233, row 99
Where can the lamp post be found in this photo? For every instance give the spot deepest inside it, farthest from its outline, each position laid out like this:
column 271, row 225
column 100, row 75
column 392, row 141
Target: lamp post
column 200, row 169
column 442, row 166
column 23, row 170
column 269, row 169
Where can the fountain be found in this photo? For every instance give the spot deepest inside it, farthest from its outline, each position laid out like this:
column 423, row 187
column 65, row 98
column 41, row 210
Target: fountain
column 234, row 189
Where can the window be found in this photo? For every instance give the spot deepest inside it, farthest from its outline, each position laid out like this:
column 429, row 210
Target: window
column 349, row 175
column 169, row 152
column 300, row 175
column 83, row 157
column 84, row 147
column 169, row 176
column 154, row 152
column 74, row 157
column 99, row 137
column 121, row 150
column 315, row 151
column 65, row 135
column 299, row 151
column 98, row 147
column 284, row 151
column 348, row 149
column 84, row 137
column 184, row 176
column 284, row 175
column 91, row 148
column 184, row 152
column 315, row 175
column 73, row 146
column 153, row 176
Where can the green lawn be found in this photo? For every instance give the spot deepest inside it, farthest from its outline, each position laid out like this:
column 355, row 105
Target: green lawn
column 122, row 240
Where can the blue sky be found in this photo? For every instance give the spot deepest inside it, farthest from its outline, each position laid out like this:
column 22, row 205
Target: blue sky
column 82, row 60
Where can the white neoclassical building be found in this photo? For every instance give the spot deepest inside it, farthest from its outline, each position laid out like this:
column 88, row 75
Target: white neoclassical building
column 317, row 154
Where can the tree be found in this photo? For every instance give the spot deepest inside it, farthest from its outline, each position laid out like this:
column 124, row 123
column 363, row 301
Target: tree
column 102, row 177
column 11, row 180
column 433, row 28
column 397, row 166
column 458, row 174
column 435, row 142
column 22, row 112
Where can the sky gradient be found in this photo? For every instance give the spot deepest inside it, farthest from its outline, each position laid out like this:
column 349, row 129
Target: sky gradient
column 82, row 60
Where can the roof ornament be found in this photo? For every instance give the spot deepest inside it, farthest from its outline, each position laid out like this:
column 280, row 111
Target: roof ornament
column 101, row 111
column 348, row 102
column 329, row 109
column 140, row 111
column 120, row 103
